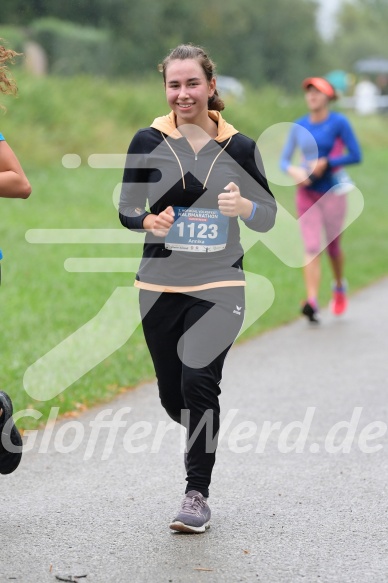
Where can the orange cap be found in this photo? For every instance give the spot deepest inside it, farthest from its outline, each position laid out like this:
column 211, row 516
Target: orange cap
column 322, row 85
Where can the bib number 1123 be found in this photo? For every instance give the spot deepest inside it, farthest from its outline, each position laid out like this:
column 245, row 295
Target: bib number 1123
column 197, row 230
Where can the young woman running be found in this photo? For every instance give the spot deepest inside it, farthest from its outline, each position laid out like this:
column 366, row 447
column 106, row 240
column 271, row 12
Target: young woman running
column 13, row 184
column 201, row 179
column 327, row 142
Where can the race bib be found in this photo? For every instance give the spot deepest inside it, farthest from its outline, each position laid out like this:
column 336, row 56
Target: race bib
column 198, row 230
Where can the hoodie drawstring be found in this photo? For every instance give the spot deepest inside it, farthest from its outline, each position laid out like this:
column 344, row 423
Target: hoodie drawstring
column 180, row 165
column 214, row 161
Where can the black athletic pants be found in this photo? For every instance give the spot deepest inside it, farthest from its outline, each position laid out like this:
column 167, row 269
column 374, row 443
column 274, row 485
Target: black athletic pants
column 188, row 336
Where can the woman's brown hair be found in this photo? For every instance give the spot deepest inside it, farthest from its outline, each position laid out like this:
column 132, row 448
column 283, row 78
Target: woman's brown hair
column 7, row 84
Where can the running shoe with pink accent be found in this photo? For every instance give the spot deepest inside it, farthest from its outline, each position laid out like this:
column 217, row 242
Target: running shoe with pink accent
column 339, row 301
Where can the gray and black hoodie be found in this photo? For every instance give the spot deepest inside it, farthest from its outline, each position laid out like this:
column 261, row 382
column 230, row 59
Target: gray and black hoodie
column 162, row 169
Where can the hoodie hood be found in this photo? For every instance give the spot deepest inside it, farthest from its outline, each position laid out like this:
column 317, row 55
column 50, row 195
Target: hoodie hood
column 167, row 125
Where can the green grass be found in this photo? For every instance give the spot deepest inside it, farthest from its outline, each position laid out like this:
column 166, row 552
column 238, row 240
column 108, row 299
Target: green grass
column 41, row 303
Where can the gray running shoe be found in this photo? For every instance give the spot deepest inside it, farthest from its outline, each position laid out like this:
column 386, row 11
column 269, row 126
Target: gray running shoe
column 194, row 515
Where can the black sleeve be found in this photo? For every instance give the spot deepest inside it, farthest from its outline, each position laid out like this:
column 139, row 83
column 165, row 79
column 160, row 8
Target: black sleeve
column 134, row 190
column 254, row 186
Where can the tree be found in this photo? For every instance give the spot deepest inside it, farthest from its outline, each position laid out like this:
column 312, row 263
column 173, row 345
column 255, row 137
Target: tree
column 362, row 32
column 271, row 41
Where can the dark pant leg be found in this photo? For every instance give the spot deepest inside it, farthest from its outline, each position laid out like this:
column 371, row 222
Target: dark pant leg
column 211, row 327
column 163, row 319
column 198, row 330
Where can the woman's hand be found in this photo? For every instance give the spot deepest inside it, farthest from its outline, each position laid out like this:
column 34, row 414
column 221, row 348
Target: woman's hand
column 160, row 224
column 318, row 167
column 299, row 174
column 232, row 204
column 302, row 177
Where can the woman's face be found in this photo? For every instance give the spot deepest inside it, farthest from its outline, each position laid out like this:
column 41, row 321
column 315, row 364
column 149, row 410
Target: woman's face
column 316, row 100
column 187, row 90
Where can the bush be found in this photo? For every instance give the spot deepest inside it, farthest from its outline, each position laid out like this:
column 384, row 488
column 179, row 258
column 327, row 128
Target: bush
column 72, row 49
column 13, row 37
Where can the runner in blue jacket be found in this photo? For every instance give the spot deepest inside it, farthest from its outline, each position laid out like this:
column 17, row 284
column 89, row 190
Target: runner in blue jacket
column 327, row 143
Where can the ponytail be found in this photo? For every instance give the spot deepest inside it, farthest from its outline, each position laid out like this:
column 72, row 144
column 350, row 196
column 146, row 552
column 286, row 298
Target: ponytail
column 215, row 102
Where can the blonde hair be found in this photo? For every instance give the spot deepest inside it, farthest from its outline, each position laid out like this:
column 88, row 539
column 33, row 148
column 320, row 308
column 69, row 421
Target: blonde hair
column 7, row 84
column 189, row 51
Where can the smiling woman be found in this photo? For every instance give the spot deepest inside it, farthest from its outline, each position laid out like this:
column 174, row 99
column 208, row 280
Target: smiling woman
column 199, row 176
column 191, row 87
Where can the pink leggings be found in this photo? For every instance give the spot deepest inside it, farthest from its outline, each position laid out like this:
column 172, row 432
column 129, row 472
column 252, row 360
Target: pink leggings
column 317, row 212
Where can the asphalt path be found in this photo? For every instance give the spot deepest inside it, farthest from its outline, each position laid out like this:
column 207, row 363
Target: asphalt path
column 299, row 490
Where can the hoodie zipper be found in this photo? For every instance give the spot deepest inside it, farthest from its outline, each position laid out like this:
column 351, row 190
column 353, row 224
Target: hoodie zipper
column 195, row 158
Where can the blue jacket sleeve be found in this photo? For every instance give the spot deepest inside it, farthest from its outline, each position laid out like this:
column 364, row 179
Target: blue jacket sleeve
column 289, row 148
column 347, row 135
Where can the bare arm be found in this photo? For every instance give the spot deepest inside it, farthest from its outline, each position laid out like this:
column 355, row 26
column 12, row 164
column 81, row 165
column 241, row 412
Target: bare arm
column 13, row 181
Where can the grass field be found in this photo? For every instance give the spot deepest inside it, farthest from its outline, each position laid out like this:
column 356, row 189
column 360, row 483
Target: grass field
column 41, row 303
